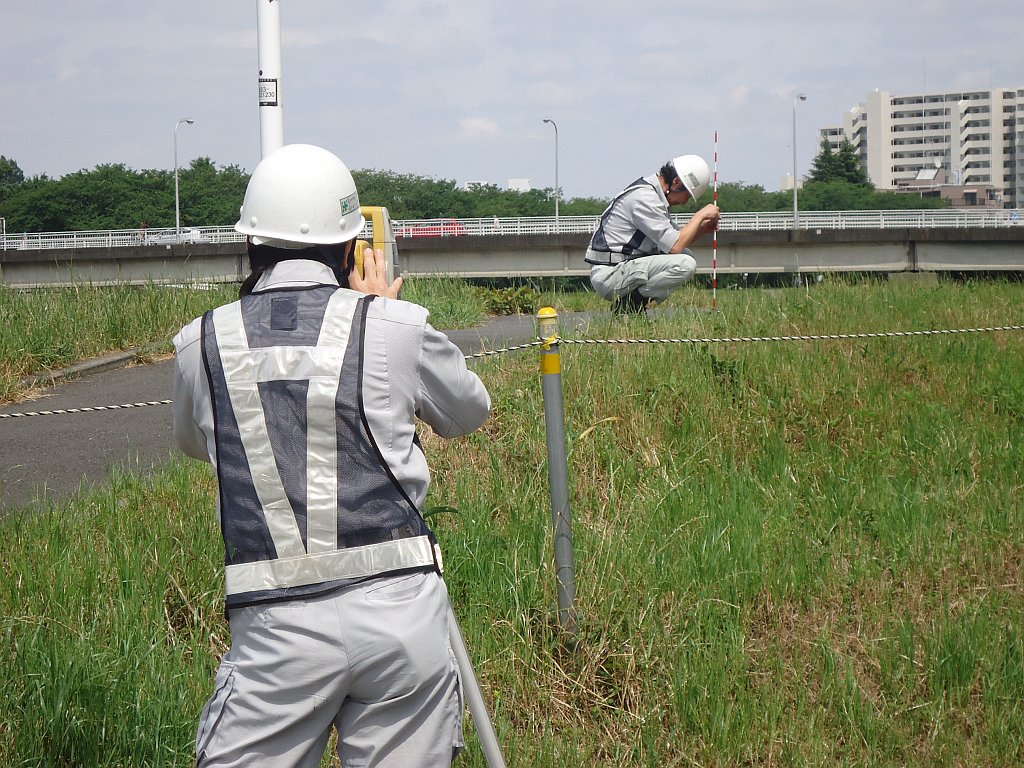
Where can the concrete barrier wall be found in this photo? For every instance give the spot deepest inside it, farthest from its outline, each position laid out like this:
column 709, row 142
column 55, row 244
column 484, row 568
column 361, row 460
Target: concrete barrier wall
column 226, row 262
column 883, row 250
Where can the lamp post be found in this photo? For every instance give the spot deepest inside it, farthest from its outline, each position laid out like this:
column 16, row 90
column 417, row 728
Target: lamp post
column 177, row 205
column 555, row 126
column 796, row 214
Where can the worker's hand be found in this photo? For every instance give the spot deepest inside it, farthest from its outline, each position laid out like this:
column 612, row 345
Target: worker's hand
column 709, row 216
column 375, row 276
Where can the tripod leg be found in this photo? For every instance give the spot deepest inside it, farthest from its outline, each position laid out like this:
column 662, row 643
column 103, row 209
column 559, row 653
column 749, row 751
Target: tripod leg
column 474, row 696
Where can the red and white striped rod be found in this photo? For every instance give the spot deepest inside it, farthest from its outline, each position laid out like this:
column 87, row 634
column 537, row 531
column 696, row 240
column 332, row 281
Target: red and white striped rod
column 714, row 238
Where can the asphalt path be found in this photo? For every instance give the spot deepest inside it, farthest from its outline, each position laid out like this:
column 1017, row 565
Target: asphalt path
column 46, row 458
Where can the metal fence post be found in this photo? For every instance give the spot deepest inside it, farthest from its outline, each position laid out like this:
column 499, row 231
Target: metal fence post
column 558, row 471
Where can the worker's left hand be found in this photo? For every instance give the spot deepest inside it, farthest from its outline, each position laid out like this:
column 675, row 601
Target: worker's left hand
column 375, row 276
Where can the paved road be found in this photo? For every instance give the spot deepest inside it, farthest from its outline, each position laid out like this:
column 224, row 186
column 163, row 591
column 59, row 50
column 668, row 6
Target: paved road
column 48, row 457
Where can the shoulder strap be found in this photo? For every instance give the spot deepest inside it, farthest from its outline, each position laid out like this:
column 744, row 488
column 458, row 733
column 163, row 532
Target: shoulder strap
column 599, row 242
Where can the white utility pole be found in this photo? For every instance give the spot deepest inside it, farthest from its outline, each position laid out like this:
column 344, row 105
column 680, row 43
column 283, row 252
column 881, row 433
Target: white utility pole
column 796, row 183
column 555, row 126
column 268, row 32
column 177, row 203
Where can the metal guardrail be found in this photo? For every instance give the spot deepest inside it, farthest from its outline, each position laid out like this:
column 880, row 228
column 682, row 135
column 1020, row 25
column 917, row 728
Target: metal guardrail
column 118, row 238
column 448, row 227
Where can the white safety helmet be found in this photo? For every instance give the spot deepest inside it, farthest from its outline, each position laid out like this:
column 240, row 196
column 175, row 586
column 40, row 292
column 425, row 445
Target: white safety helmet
column 300, row 195
column 694, row 173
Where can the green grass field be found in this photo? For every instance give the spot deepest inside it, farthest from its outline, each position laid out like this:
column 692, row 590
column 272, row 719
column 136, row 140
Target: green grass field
column 787, row 553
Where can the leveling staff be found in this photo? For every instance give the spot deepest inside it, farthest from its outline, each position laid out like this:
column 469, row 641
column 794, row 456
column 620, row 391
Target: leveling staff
column 304, row 397
column 637, row 253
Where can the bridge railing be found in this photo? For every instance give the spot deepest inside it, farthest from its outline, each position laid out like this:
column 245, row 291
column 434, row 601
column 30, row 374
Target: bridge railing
column 450, row 227
column 117, row 238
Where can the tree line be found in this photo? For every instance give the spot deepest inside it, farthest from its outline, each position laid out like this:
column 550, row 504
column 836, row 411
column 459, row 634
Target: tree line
column 113, row 196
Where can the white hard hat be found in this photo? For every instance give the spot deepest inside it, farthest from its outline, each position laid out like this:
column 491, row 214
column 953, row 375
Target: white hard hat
column 694, row 173
column 300, row 194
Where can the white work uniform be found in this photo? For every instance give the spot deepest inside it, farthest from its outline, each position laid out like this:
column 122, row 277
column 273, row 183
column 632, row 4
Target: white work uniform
column 630, row 248
column 369, row 654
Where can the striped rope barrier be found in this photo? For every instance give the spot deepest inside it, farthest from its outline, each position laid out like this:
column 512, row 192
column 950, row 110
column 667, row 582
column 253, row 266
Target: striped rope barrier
column 542, row 342
column 64, row 411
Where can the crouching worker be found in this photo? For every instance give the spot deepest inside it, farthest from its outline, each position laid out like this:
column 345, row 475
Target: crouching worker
column 637, row 254
column 304, row 396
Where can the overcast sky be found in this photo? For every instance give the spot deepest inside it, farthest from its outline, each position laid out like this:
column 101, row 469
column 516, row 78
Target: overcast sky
column 458, row 89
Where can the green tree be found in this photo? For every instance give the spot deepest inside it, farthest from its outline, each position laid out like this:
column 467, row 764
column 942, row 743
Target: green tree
column 583, row 206
column 835, row 195
column 32, row 208
column 408, row 196
column 11, row 176
column 116, row 197
column 825, row 166
column 844, row 165
column 850, row 167
column 210, row 197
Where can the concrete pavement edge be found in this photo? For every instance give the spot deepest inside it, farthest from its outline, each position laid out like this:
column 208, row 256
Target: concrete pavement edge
column 92, row 365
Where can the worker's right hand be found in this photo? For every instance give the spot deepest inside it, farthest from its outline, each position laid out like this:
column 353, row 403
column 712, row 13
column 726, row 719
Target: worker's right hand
column 375, row 276
column 709, row 217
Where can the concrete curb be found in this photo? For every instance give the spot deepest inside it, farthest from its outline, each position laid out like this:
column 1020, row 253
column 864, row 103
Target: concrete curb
column 93, row 365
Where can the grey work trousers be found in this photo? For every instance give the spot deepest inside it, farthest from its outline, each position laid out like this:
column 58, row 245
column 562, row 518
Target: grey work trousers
column 372, row 659
column 656, row 276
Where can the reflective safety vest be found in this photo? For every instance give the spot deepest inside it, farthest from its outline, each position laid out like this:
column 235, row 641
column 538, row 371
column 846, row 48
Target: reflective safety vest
column 307, row 501
column 599, row 251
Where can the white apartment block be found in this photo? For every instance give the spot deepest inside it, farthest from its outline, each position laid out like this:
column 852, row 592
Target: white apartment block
column 969, row 138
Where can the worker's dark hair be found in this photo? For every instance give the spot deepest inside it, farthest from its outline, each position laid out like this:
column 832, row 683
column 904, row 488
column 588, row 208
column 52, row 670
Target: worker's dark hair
column 668, row 173
column 263, row 256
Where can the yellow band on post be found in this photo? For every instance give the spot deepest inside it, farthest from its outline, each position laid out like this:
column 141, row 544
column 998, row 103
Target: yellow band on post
column 547, row 329
column 550, row 362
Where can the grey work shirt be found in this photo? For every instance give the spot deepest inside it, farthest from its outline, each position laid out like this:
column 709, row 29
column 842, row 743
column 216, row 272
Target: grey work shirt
column 644, row 210
column 409, row 370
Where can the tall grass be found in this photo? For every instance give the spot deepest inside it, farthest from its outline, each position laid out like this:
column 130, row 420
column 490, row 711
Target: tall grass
column 53, row 328
column 787, row 554
column 48, row 329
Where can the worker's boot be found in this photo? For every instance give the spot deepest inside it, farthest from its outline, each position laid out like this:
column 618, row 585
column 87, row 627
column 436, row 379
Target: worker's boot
column 632, row 303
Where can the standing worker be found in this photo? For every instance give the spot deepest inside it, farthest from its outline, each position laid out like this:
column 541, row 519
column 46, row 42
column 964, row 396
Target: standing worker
column 304, row 396
column 637, row 254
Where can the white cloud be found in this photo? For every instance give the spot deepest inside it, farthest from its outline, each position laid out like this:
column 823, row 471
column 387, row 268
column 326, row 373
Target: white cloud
column 238, row 40
column 739, row 96
column 68, row 74
column 553, row 93
column 477, row 128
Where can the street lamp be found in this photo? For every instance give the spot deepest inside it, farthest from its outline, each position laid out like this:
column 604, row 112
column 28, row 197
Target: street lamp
column 796, row 214
column 177, row 205
column 555, row 126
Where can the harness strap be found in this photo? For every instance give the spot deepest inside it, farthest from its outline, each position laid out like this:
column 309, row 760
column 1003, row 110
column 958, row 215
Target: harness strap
column 599, row 251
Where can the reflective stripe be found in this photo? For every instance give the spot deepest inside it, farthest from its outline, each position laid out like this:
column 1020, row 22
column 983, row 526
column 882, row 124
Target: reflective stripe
column 351, row 563
column 244, row 369
column 322, row 465
column 241, row 371
column 322, row 442
column 602, row 258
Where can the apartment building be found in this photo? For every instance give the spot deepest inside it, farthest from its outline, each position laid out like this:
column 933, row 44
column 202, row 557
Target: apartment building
column 973, row 140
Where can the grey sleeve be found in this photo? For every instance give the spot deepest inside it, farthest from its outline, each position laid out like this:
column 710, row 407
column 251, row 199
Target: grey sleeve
column 651, row 218
column 188, row 436
column 452, row 399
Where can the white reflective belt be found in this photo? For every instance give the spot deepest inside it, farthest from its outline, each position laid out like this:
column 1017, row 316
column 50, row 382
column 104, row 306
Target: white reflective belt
column 603, row 258
column 351, row 563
